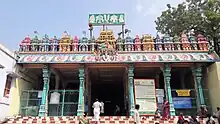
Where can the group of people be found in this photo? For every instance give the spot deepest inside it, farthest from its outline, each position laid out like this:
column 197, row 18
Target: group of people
column 98, row 108
column 203, row 113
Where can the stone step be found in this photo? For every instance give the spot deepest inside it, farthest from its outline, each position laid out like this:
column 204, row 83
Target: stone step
column 103, row 120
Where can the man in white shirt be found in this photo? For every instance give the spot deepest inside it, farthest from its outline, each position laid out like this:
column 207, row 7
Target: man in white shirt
column 96, row 110
column 102, row 108
column 137, row 119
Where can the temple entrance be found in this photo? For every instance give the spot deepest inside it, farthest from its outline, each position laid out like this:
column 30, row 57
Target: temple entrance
column 108, row 85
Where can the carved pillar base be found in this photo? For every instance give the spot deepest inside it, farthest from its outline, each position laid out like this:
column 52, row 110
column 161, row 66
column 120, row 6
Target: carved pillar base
column 80, row 109
column 46, row 79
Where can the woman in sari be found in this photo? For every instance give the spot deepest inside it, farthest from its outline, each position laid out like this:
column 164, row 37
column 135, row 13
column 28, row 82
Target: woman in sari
column 166, row 110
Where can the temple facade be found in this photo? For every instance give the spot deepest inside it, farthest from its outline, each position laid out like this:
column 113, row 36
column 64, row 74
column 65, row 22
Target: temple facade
column 62, row 76
column 72, row 72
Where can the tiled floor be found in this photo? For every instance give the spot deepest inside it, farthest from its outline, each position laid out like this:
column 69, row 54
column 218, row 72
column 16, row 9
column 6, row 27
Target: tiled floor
column 103, row 120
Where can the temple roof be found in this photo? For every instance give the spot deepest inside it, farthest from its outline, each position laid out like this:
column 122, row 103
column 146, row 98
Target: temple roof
column 107, row 48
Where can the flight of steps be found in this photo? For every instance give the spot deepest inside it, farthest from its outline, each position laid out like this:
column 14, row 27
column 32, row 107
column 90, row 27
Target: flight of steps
column 103, row 120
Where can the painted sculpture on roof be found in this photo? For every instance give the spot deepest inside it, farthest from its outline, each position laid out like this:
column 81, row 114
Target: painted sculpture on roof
column 108, row 43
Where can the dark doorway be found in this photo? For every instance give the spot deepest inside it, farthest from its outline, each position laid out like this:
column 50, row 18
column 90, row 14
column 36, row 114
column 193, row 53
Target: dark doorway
column 108, row 86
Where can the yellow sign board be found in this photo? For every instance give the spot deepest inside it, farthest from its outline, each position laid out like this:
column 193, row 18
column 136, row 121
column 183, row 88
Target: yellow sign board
column 183, row 92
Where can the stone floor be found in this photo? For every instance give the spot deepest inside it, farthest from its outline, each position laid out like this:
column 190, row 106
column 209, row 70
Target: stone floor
column 103, row 120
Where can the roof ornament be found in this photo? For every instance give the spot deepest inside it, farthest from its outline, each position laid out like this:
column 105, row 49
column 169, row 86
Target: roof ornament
column 127, row 31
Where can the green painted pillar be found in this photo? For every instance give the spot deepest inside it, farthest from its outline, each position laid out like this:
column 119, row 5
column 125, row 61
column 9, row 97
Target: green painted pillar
column 80, row 109
column 197, row 72
column 46, row 79
column 167, row 78
column 131, row 88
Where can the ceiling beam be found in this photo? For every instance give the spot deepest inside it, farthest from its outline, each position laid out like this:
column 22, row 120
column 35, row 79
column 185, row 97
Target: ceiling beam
column 33, row 66
column 65, row 66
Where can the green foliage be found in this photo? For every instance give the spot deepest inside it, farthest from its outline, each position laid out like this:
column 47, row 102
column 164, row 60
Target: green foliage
column 201, row 15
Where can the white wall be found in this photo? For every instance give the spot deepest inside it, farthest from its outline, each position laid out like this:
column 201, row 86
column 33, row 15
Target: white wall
column 7, row 59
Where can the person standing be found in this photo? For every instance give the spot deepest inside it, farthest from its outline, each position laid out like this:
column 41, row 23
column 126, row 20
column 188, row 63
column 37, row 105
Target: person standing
column 217, row 114
column 166, row 110
column 96, row 110
column 86, row 108
column 137, row 119
column 102, row 108
column 117, row 110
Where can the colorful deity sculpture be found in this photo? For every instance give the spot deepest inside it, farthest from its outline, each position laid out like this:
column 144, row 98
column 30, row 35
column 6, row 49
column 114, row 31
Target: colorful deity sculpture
column 106, row 38
column 148, row 43
column 75, row 43
column 45, row 44
column 158, row 43
column 137, row 43
column 36, row 42
column 129, row 44
column 25, row 44
column 110, row 38
column 168, row 44
column 176, row 43
column 193, row 41
column 185, row 42
column 120, row 43
column 203, row 42
column 54, row 43
column 83, row 44
column 92, row 43
column 65, row 42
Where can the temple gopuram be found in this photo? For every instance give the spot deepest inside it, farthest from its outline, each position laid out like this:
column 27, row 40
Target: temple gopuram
column 71, row 72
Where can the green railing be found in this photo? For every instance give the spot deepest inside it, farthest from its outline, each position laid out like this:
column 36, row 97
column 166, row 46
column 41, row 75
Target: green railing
column 68, row 103
column 31, row 100
column 194, row 109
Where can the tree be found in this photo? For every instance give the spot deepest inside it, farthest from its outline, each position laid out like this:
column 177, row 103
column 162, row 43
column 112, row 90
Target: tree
column 201, row 15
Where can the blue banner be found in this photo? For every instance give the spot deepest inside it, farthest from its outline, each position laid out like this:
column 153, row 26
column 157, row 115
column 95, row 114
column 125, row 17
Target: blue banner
column 182, row 102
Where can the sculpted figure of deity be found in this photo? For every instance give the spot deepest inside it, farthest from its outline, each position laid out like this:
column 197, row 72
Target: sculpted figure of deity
column 148, row 43
column 176, row 42
column 168, row 44
column 83, row 44
column 45, row 45
column 203, row 42
column 92, row 43
column 137, row 43
column 185, row 42
column 120, row 42
column 129, row 44
column 193, row 41
column 75, row 44
column 25, row 44
column 159, row 43
column 65, row 42
column 36, row 42
column 54, row 43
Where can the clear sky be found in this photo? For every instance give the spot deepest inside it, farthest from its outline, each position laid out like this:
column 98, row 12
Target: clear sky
column 19, row 18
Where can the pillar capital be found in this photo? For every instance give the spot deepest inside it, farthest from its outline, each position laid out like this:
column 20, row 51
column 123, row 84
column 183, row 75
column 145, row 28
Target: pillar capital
column 131, row 70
